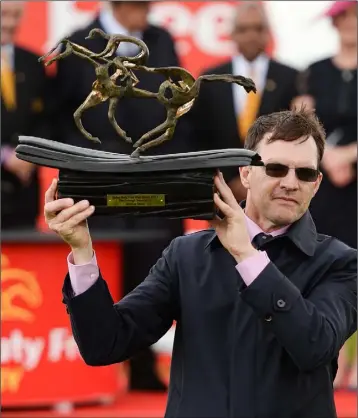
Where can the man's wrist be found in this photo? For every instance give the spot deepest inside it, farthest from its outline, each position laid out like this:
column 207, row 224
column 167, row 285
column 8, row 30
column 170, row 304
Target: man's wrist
column 240, row 256
column 6, row 153
column 82, row 255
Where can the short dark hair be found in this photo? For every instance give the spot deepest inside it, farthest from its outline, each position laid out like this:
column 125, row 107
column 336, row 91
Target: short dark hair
column 287, row 125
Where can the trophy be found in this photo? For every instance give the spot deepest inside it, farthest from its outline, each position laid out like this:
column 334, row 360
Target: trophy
column 173, row 185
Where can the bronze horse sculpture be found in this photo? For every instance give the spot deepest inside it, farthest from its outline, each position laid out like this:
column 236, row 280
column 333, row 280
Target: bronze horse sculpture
column 178, row 97
column 177, row 93
column 104, row 87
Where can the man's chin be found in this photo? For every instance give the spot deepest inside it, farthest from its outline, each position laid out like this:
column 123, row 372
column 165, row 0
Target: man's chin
column 284, row 217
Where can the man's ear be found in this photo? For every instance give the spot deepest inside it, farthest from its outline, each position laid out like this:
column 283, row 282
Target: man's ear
column 318, row 183
column 244, row 176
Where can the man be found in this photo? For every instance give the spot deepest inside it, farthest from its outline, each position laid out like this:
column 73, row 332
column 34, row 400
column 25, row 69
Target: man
column 23, row 89
column 223, row 112
column 136, row 117
column 263, row 303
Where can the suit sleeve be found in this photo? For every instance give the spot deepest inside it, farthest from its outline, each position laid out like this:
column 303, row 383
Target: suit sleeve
column 312, row 329
column 108, row 332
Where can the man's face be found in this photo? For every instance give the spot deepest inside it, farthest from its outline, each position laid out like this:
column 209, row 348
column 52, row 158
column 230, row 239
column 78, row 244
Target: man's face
column 11, row 14
column 251, row 33
column 346, row 25
column 281, row 201
column 136, row 14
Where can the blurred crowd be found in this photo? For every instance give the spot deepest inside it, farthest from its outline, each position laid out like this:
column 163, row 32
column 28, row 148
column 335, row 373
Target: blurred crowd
column 37, row 104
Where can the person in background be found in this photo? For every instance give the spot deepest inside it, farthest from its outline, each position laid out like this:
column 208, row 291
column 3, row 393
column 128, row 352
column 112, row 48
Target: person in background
column 136, row 116
column 23, row 105
column 331, row 88
column 224, row 112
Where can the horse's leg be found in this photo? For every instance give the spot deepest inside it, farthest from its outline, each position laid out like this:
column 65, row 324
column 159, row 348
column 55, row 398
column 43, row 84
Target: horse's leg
column 72, row 49
column 113, row 101
column 93, row 99
column 169, row 123
column 67, row 52
column 144, row 93
column 168, row 134
column 81, row 54
column 156, row 131
column 134, row 78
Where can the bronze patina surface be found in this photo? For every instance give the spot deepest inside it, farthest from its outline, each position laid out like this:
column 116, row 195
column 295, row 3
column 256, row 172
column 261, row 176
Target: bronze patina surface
column 177, row 93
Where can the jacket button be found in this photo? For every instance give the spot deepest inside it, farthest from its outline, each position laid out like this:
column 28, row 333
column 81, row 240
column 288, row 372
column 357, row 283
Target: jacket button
column 281, row 303
column 268, row 318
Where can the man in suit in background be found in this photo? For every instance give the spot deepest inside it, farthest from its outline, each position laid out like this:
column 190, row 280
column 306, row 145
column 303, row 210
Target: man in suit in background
column 136, row 116
column 23, row 105
column 224, row 112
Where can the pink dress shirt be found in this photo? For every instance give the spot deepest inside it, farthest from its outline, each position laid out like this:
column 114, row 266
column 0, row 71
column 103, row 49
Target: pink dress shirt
column 83, row 276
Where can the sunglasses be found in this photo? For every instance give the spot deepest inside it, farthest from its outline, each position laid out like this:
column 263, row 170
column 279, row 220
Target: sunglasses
column 302, row 173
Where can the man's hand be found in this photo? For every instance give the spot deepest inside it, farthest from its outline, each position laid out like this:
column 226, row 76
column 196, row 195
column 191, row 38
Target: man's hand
column 305, row 100
column 21, row 169
column 338, row 164
column 69, row 221
column 232, row 230
column 237, row 188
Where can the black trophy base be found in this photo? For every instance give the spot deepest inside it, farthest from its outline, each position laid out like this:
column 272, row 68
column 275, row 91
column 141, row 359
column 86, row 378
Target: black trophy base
column 171, row 186
column 171, row 194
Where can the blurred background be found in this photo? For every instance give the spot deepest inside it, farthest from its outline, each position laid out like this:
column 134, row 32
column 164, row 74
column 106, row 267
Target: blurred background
column 297, row 52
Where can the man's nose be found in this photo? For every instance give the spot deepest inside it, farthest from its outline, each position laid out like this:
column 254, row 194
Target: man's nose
column 290, row 181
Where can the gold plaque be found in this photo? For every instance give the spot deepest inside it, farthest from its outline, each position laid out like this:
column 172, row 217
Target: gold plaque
column 133, row 200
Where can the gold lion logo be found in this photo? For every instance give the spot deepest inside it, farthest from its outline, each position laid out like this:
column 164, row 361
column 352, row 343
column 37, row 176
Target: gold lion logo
column 25, row 289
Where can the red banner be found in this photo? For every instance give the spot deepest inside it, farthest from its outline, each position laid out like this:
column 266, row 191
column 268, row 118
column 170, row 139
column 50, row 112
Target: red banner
column 40, row 361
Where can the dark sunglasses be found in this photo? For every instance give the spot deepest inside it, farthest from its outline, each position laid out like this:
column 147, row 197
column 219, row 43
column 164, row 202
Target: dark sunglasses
column 281, row 170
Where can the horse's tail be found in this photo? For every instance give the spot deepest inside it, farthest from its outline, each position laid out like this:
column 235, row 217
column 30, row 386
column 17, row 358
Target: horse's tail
column 43, row 58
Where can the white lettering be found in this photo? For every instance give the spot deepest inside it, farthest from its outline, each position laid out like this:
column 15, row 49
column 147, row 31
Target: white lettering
column 33, row 352
column 22, row 350
column 62, row 344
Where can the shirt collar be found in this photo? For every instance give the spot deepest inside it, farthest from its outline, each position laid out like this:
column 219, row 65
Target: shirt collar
column 9, row 50
column 110, row 25
column 259, row 63
column 254, row 229
column 302, row 233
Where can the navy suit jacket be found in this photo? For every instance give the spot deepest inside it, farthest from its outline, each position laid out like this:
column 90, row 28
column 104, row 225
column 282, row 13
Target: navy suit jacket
column 268, row 350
